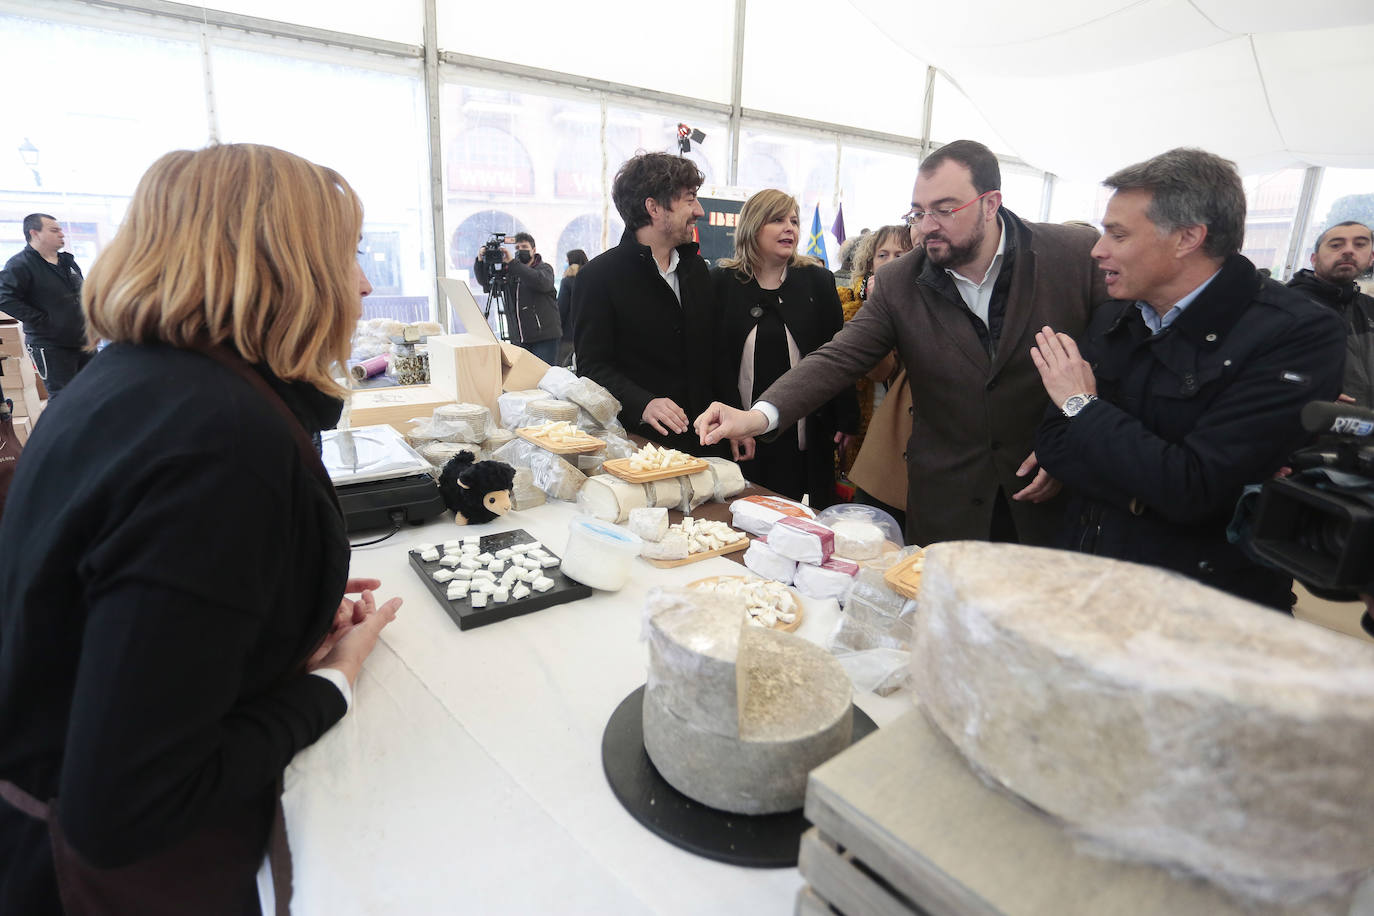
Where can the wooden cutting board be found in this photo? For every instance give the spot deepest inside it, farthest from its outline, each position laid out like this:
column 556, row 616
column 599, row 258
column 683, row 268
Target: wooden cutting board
column 698, row 557
column 620, row 467
column 905, row 578
column 791, row 593
column 531, row 434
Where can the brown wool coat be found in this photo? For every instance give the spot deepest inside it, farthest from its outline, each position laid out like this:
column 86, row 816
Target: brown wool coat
column 975, row 416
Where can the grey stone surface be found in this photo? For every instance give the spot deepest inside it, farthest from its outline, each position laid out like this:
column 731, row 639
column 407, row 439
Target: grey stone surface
column 1167, row 720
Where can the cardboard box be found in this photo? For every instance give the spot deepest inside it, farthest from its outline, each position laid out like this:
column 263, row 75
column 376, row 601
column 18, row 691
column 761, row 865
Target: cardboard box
column 395, row 406
column 520, row 369
column 466, row 367
column 11, row 340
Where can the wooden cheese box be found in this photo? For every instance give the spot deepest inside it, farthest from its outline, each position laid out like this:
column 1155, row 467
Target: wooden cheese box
column 11, row 340
column 903, row 826
column 466, row 368
column 395, row 406
column 520, row 369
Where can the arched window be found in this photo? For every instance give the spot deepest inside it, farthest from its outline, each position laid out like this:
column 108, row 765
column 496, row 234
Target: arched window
column 489, row 160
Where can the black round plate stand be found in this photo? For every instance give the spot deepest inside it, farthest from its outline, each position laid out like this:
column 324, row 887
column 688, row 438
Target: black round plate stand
column 756, row 841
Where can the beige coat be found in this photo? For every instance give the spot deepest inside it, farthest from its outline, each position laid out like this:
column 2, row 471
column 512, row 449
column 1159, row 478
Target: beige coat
column 880, row 468
column 975, row 416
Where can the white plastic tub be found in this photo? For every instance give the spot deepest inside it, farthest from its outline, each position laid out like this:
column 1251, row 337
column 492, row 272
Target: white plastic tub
column 599, row 554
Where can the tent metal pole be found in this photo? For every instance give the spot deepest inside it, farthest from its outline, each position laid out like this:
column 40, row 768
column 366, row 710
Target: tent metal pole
column 1046, row 197
column 436, row 171
column 736, row 95
column 1302, row 220
column 927, row 112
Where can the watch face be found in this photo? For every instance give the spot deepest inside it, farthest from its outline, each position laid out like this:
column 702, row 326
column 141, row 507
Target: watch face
column 1074, row 404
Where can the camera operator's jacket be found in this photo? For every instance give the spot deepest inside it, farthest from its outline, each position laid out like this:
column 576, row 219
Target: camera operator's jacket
column 531, row 301
column 1186, row 419
column 1357, row 309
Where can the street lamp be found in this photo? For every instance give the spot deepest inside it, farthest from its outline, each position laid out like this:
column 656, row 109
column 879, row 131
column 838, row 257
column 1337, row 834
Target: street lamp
column 29, row 153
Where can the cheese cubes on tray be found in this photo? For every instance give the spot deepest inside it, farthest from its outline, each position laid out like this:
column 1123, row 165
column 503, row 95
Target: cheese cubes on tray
column 687, row 537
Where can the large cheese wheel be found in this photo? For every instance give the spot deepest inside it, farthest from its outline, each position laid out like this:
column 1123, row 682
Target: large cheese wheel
column 735, row 717
column 1173, row 722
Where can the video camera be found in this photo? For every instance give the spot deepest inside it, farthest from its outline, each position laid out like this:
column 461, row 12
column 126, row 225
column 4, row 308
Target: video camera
column 494, row 259
column 1318, row 523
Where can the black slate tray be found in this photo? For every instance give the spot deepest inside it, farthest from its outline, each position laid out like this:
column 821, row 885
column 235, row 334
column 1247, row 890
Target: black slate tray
column 756, row 841
column 461, row 609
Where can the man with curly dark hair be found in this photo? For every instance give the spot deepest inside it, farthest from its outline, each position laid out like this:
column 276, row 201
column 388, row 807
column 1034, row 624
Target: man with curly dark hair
column 644, row 316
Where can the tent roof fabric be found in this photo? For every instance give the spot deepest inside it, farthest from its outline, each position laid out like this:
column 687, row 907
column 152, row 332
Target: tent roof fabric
column 1081, row 88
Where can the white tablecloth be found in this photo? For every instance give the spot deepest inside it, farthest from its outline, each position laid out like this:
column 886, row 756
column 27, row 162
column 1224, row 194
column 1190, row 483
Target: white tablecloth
column 468, row 778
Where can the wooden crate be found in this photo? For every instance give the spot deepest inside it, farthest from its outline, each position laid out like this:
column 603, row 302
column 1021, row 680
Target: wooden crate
column 395, row 406
column 902, row 820
column 466, row 368
column 11, row 340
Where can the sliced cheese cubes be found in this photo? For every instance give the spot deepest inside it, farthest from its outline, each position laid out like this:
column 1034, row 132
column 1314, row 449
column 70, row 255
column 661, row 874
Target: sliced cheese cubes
column 506, row 575
column 656, row 458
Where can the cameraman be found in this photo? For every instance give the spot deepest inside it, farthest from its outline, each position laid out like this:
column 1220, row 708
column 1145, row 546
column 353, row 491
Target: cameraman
column 530, row 300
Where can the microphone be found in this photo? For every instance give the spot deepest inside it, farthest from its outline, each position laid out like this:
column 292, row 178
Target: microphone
column 1342, row 419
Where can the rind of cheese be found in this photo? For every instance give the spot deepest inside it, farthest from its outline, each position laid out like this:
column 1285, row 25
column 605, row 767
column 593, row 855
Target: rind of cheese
column 610, row 498
column 1170, row 721
column 694, row 640
column 795, row 712
column 651, row 524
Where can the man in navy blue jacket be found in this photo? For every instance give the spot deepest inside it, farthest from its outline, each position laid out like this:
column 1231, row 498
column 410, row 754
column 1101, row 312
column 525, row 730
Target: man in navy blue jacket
column 1189, row 386
column 41, row 286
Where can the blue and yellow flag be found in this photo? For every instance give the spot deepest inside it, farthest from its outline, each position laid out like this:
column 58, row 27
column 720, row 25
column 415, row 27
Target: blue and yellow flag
column 815, row 246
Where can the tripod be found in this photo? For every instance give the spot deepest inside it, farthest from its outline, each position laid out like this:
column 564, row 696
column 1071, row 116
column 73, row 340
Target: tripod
column 496, row 298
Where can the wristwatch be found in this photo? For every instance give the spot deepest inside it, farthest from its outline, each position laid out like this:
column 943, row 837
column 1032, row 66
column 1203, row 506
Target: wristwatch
column 1075, row 404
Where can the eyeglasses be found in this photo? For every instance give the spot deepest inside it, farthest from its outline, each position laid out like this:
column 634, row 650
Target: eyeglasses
column 941, row 214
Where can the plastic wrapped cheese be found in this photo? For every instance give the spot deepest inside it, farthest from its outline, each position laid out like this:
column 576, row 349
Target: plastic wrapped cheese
column 756, row 514
column 610, row 498
column 651, row 523
column 830, row 579
column 696, row 489
column 594, row 400
column 1173, row 722
column 802, row 540
column 858, row 540
column 558, row 381
column 551, row 473
column 515, row 407
column 763, row 560
column 665, row 493
column 546, row 409
column 728, row 477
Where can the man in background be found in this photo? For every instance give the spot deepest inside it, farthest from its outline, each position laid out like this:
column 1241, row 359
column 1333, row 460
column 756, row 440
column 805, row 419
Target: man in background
column 41, row 286
column 643, row 312
column 531, row 303
column 1343, row 253
column 1186, row 390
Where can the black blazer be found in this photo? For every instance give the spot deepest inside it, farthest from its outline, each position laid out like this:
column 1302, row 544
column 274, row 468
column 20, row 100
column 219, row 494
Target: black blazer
column 811, row 310
column 633, row 336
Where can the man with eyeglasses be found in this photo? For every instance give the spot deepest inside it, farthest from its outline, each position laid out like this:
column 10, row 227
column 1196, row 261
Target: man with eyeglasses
column 962, row 311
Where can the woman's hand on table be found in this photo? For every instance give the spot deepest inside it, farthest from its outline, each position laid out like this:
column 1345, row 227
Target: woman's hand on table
column 357, row 624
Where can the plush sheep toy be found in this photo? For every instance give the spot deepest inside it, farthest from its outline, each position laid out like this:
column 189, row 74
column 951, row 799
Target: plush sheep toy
column 476, row 492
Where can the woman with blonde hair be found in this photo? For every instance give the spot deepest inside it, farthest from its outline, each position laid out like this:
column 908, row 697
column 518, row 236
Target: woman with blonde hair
column 172, row 555
column 776, row 306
